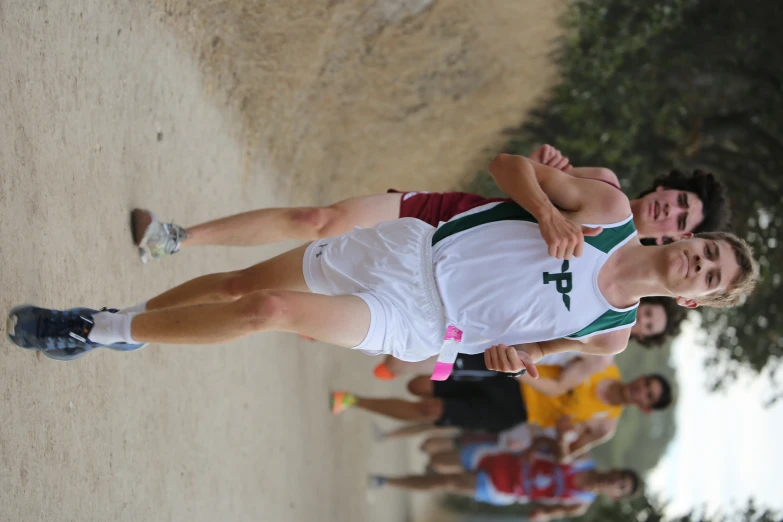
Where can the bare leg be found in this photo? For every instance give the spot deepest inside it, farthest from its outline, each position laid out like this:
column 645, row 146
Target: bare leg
column 399, row 367
column 439, row 444
column 269, row 225
column 463, row 483
column 282, row 272
column 421, row 386
column 447, row 462
column 429, row 409
column 411, row 430
column 342, row 320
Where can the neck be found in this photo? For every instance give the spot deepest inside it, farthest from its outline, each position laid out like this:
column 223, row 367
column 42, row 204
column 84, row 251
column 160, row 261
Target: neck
column 641, row 233
column 611, row 392
column 632, row 273
column 586, row 480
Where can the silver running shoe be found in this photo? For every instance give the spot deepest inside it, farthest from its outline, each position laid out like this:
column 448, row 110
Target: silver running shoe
column 154, row 238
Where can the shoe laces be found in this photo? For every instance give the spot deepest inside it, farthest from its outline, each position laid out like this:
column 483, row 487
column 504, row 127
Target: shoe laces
column 64, row 324
column 175, row 235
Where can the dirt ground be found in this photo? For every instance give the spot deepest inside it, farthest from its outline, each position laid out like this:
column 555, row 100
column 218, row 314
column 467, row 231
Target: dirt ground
column 196, row 110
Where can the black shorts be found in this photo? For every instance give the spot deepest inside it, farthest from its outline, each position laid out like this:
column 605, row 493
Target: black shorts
column 472, row 368
column 489, row 405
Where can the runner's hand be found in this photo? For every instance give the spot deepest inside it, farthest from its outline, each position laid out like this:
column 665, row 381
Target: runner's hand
column 564, row 424
column 502, row 358
column 564, row 238
column 550, row 156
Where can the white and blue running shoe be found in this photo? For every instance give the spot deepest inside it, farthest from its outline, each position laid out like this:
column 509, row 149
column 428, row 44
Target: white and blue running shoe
column 58, row 334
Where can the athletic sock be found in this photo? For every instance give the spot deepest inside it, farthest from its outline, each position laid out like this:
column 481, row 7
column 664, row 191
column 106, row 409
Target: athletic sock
column 112, row 328
column 138, row 308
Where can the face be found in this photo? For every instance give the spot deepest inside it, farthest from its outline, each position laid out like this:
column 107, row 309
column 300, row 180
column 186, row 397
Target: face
column 642, row 392
column 697, row 268
column 668, row 213
column 650, row 320
column 616, row 484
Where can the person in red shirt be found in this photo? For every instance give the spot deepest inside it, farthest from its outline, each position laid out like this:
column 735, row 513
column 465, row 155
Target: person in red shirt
column 555, row 489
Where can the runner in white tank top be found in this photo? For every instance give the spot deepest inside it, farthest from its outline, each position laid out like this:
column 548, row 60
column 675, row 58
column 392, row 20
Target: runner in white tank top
column 486, row 258
column 382, row 293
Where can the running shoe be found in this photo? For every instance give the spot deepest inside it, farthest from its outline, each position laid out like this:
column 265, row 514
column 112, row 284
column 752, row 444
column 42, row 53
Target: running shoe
column 383, row 373
column 378, row 433
column 59, row 334
column 153, row 238
column 375, row 481
column 340, row 401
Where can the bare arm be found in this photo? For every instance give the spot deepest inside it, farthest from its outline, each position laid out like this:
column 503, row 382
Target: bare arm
column 594, row 433
column 512, row 359
column 574, row 373
column 552, row 157
column 544, row 190
column 559, row 202
column 542, row 385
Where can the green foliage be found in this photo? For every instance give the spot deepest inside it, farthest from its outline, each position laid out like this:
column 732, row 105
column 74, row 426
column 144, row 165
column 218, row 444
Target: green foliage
column 650, row 509
column 640, row 508
column 647, row 87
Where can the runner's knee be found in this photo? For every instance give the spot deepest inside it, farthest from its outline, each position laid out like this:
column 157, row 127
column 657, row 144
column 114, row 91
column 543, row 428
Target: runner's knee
column 420, row 386
column 237, row 284
column 315, row 222
column 264, row 309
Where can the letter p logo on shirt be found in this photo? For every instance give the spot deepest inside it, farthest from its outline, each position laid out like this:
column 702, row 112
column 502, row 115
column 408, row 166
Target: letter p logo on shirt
column 563, row 283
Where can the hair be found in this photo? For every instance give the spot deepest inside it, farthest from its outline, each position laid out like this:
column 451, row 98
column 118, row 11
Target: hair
column 675, row 315
column 665, row 400
column 635, row 480
column 745, row 281
column 711, row 192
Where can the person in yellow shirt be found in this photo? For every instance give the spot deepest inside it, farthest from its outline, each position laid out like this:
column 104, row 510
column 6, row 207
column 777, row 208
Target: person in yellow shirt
column 583, row 414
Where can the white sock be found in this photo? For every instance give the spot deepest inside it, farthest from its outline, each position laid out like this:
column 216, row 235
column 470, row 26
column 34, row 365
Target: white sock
column 111, row 328
column 139, row 308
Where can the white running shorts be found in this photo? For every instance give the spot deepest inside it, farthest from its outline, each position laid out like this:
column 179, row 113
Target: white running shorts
column 389, row 266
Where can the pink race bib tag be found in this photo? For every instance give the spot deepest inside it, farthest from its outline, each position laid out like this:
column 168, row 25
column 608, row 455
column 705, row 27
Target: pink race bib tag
column 449, row 351
column 453, row 334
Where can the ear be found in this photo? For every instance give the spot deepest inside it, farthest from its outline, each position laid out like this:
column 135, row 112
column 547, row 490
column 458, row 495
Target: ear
column 659, row 188
column 687, row 303
column 681, row 237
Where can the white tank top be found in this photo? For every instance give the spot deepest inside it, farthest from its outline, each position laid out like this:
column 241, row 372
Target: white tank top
column 499, row 284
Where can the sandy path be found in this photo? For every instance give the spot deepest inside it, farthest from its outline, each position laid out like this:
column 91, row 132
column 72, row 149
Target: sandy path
column 108, row 105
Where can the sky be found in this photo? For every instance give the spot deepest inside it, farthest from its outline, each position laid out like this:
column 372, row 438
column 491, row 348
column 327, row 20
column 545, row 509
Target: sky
column 727, row 448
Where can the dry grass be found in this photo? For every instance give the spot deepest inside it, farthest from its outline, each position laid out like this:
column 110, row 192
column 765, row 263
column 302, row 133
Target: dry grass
column 353, row 94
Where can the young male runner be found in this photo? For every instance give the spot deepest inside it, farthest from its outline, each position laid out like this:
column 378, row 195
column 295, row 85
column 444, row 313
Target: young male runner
column 657, row 319
column 495, row 405
column 674, row 205
column 555, row 489
column 500, row 273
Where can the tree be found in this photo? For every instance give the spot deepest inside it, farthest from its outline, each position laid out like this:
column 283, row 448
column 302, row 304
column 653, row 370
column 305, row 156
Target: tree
column 686, row 84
